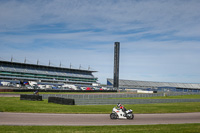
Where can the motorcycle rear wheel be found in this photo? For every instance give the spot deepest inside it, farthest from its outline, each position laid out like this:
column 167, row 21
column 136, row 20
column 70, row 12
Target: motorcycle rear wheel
column 113, row 116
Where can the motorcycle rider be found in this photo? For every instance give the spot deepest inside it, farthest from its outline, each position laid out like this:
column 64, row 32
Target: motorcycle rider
column 120, row 106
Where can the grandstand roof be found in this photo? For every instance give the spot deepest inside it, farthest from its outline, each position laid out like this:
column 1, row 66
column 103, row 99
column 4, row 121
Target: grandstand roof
column 44, row 66
column 146, row 84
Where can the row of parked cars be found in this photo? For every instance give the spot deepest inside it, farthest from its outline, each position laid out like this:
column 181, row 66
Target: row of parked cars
column 38, row 85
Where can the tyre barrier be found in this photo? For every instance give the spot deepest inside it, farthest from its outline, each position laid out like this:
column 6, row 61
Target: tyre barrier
column 30, row 97
column 60, row 100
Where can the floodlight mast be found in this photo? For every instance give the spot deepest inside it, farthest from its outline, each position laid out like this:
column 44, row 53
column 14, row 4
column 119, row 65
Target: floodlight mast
column 116, row 66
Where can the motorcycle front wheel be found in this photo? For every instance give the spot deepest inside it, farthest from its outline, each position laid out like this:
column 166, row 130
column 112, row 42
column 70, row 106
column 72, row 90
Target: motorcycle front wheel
column 130, row 117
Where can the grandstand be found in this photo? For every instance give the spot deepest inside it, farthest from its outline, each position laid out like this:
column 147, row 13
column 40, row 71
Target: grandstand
column 159, row 86
column 15, row 71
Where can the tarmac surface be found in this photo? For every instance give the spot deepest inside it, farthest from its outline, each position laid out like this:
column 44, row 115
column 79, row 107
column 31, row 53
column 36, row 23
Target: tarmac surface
column 95, row 119
column 9, row 95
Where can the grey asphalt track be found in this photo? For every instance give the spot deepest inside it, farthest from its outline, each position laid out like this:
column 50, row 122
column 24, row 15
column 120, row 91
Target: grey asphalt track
column 95, row 119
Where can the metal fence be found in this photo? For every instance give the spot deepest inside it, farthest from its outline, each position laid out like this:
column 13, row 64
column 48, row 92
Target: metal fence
column 130, row 101
column 116, row 95
column 93, row 99
column 100, row 96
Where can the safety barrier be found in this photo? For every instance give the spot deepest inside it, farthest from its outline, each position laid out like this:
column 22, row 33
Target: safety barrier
column 60, row 100
column 30, row 97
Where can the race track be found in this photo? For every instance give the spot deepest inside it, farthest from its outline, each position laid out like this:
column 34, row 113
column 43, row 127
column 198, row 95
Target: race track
column 94, row 119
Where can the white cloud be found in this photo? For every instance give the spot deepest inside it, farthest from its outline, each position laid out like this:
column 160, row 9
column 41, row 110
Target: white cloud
column 159, row 39
column 159, row 15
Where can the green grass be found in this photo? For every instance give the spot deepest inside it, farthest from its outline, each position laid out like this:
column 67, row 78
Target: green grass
column 14, row 104
column 171, row 128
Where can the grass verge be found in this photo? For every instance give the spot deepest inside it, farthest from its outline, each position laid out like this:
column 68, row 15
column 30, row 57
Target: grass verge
column 171, row 128
column 14, row 104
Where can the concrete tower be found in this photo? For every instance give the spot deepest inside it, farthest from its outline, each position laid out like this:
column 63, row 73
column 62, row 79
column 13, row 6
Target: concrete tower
column 116, row 65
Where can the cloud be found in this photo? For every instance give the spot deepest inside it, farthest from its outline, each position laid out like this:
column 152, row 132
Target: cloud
column 159, row 39
column 107, row 15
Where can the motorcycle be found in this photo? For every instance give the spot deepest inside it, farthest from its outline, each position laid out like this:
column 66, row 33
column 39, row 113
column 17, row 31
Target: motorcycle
column 118, row 113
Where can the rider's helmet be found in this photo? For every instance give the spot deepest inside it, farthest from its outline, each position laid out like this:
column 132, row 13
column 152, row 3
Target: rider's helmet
column 119, row 105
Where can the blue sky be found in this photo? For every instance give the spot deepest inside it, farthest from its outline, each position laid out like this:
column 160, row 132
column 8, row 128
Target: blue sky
column 159, row 39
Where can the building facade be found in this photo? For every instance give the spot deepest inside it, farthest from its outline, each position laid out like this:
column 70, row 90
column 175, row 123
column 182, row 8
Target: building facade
column 158, row 86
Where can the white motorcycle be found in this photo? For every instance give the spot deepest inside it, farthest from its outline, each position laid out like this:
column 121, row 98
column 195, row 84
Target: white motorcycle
column 118, row 113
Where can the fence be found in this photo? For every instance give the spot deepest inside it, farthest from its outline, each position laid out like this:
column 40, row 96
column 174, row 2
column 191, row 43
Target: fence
column 99, row 96
column 92, row 99
column 116, row 95
column 130, row 101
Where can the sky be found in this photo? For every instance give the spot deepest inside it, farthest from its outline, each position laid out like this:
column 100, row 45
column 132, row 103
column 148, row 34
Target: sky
column 159, row 39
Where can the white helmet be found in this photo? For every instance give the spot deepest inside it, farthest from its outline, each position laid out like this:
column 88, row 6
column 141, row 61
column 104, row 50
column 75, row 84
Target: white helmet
column 119, row 104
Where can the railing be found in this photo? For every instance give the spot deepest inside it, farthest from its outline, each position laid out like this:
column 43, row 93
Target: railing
column 95, row 99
